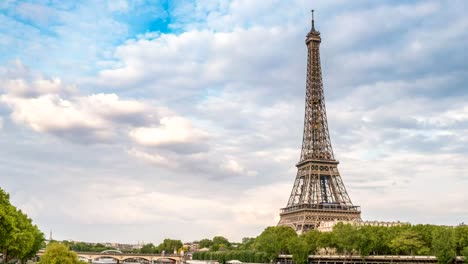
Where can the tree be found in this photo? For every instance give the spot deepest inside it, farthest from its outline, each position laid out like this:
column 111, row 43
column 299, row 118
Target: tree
column 220, row 243
column 299, row 248
column 7, row 223
column 56, row 253
column 20, row 239
column 274, row 240
column 148, row 249
column 366, row 240
column 39, row 242
column 406, row 243
column 464, row 253
column 425, row 232
column 345, row 237
column 312, row 238
column 325, row 240
column 247, row 243
column 170, row 245
column 461, row 238
column 443, row 245
column 205, row 243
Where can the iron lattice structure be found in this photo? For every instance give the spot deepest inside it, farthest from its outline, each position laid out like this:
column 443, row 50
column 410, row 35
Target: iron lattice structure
column 318, row 193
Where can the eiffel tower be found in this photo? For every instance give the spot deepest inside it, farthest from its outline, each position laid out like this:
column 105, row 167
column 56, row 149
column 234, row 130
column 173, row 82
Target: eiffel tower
column 318, row 193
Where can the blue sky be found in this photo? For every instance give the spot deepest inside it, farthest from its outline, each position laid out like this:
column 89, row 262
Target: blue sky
column 134, row 121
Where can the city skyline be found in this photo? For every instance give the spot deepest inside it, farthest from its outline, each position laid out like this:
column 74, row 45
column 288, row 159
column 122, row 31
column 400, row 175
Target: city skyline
column 129, row 121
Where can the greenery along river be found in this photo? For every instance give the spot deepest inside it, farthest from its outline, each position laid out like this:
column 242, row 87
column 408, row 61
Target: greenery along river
column 443, row 242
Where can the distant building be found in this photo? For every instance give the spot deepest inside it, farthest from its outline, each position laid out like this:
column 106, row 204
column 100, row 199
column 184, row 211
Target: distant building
column 328, row 225
column 192, row 246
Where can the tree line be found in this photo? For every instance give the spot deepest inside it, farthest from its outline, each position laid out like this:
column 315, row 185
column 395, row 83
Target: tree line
column 20, row 239
column 85, row 247
column 168, row 246
column 441, row 241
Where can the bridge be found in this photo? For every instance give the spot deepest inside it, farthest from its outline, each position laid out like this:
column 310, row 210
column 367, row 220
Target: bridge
column 121, row 257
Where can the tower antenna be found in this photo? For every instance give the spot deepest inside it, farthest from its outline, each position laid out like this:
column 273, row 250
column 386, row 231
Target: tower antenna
column 313, row 20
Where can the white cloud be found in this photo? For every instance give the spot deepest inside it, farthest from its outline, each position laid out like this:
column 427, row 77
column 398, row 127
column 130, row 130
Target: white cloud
column 172, row 130
column 129, row 202
column 110, row 105
column 155, row 159
column 235, row 167
column 454, row 117
column 37, row 113
column 117, row 5
column 171, row 67
column 91, row 115
column 18, row 80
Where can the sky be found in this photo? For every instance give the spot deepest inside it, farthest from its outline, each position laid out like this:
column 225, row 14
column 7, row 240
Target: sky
column 127, row 121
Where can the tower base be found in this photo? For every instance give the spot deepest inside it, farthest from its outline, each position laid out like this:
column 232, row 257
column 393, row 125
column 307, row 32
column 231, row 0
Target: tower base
column 305, row 218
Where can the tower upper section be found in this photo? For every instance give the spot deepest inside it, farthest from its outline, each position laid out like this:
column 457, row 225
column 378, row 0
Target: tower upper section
column 316, row 144
column 313, row 34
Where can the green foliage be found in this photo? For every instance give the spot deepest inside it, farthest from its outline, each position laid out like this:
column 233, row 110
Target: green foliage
column 169, row 246
column 444, row 245
column 205, row 243
column 86, row 247
column 325, row 240
column 407, row 242
column 300, row 249
column 247, row 243
column 464, row 253
column 223, row 256
column 366, row 240
column 406, row 239
column 56, row 253
column 20, row 238
column 425, row 232
column 345, row 237
column 274, row 240
column 461, row 238
column 149, row 249
column 220, row 243
column 312, row 240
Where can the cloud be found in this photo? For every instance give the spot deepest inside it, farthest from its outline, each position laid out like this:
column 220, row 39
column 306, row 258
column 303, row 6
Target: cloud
column 48, row 105
column 36, row 113
column 118, row 6
column 18, row 80
column 177, row 67
column 211, row 164
column 87, row 116
column 36, row 13
column 116, row 202
column 155, row 159
column 173, row 130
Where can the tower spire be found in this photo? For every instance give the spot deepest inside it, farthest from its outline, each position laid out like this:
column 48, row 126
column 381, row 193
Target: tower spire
column 313, row 21
column 313, row 33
